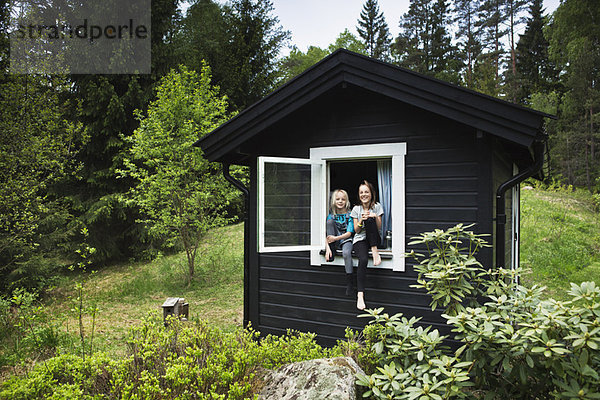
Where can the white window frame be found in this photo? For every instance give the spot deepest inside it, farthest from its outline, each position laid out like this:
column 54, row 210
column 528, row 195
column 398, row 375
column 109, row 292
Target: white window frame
column 319, row 157
column 318, row 211
column 395, row 151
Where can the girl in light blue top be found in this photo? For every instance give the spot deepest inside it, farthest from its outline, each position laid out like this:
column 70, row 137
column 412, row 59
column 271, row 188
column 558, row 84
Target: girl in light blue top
column 339, row 233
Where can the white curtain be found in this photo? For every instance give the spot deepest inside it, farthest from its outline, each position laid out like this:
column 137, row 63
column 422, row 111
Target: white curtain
column 384, row 176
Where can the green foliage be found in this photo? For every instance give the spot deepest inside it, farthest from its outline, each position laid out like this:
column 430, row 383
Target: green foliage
column 347, row 40
column 297, row 62
column 515, row 344
column 79, row 303
column 182, row 360
column 26, row 331
column 411, row 361
column 105, row 106
column 374, row 31
column 560, row 239
column 450, row 272
column 37, row 149
column 181, row 194
column 524, row 346
column 66, row 377
column 240, row 41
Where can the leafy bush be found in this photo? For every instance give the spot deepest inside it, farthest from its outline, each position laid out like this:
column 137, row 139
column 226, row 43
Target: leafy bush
column 514, row 346
column 25, row 331
column 182, row 360
column 450, row 273
column 411, row 361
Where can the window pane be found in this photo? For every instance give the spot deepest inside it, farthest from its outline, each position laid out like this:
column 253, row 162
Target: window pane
column 287, row 204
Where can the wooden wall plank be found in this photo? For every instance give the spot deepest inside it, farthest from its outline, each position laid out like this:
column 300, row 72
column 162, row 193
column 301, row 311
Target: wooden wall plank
column 444, row 186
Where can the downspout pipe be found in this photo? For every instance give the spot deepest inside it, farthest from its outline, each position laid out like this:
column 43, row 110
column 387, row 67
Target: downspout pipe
column 240, row 186
column 538, row 162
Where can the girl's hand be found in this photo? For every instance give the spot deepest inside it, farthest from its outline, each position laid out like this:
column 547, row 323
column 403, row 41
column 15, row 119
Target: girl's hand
column 331, row 239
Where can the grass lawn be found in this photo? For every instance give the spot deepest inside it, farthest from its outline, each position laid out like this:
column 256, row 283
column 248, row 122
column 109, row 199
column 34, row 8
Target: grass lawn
column 127, row 293
column 560, row 239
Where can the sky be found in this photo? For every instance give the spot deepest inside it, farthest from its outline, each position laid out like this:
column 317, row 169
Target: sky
column 319, row 22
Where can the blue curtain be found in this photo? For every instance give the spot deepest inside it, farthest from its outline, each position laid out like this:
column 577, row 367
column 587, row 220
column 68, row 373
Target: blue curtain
column 384, row 176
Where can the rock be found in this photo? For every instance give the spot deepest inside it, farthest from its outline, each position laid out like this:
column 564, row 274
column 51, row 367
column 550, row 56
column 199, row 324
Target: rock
column 324, row 378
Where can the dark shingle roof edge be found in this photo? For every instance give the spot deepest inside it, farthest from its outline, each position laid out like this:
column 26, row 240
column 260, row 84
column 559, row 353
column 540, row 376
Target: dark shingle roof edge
column 510, row 121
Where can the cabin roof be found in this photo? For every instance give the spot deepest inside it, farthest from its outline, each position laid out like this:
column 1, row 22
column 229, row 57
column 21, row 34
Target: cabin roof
column 511, row 122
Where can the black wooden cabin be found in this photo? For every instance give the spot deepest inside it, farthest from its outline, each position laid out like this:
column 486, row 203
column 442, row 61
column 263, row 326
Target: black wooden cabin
column 450, row 155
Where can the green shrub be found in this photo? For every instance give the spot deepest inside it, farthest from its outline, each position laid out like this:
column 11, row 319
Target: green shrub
column 411, row 361
column 182, row 360
column 515, row 345
column 450, row 273
column 25, row 331
column 63, row 377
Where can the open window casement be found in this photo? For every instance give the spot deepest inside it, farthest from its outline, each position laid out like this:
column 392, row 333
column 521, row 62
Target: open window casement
column 290, row 206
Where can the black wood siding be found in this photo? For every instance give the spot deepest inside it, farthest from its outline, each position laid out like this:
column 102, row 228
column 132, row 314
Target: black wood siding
column 448, row 181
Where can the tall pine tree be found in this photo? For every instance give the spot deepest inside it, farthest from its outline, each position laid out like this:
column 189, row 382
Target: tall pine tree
column 514, row 13
column 443, row 55
column 240, row 41
column 468, row 35
column 256, row 37
column 575, row 47
column 107, row 104
column 374, row 31
column 535, row 71
column 424, row 43
column 493, row 22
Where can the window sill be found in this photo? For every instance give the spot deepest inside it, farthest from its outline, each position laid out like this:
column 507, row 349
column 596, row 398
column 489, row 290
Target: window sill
column 386, row 254
column 387, row 260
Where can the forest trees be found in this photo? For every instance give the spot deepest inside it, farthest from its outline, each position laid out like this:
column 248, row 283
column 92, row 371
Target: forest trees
column 575, row 48
column 63, row 138
column 374, row 31
column 38, row 146
column 424, row 44
column 535, row 72
column 240, row 41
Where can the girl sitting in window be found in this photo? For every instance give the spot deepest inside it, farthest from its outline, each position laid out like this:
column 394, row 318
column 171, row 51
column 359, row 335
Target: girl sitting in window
column 367, row 224
column 339, row 233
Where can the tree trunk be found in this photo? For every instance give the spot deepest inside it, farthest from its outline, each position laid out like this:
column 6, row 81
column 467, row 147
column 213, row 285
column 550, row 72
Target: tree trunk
column 469, row 53
column 587, row 169
column 513, row 54
column 592, row 144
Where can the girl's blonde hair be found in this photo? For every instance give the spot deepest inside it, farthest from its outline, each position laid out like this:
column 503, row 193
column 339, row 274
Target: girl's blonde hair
column 332, row 205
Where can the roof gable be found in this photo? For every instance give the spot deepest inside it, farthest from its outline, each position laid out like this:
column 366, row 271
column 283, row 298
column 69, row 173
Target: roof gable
column 511, row 122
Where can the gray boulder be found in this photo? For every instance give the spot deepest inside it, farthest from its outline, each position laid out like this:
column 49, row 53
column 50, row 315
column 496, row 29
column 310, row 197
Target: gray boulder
column 324, row 378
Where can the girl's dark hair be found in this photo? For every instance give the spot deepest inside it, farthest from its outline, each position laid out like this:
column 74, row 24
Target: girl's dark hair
column 372, row 190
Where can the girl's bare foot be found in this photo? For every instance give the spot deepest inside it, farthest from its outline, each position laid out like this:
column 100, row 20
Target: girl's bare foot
column 360, row 301
column 376, row 256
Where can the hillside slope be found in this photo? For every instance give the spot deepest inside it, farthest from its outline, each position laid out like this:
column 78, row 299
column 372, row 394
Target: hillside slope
column 560, row 238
